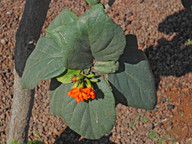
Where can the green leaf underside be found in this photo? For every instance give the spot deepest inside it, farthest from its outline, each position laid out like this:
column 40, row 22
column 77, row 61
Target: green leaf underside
column 92, row 2
column 65, row 17
column 67, row 76
column 106, row 67
column 106, row 38
column 93, row 36
column 133, row 84
column 90, row 119
column 45, row 62
column 77, row 53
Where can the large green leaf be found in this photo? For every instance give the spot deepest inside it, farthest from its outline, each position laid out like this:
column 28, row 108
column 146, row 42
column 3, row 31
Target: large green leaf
column 45, row 62
column 106, row 38
column 93, row 36
column 106, row 67
column 65, row 17
column 77, row 52
column 133, row 84
column 91, row 119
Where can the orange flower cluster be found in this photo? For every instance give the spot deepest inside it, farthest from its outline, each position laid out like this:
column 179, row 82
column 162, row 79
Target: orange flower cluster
column 81, row 94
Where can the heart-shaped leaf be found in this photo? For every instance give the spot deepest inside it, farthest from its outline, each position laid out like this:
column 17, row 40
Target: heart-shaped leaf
column 106, row 38
column 91, row 119
column 65, row 17
column 93, row 36
column 45, row 62
column 106, row 67
column 67, row 76
column 133, row 84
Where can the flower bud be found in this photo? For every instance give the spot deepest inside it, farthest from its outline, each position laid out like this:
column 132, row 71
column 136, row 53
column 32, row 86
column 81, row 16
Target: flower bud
column 90, row 75
column 76, row 84
column 77, row 78
column 88, row 83
column 94, row 80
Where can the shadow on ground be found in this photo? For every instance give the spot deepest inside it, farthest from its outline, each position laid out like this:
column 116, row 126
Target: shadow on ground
column 70, row 137
column 172, row 57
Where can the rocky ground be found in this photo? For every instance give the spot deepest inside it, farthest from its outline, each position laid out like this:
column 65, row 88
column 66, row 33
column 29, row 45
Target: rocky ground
column 163, row 29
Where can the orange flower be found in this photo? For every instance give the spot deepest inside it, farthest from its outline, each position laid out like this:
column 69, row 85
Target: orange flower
column 74, row 79
column 81, row 94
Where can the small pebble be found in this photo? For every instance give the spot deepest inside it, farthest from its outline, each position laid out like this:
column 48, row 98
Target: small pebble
column 160, row 124
column 170, row 106
column 3, row 41
column 150, row 126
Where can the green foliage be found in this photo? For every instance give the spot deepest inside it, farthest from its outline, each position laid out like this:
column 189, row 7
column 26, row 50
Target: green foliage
column 132, row 124
column 152, row 135
column 64, row 18
column 91, row 119
column 92, row 2
column 106, row 67
column 45, row 62
column 144, row 119
column 29, row 142
column 73, row 44
column 35, row 142
column 163, row 139
column 81, row 47
column 133, row 84
column 189, row 42
column 181, row 113
column 93, row 35
column 67, row 76
column 14, row 141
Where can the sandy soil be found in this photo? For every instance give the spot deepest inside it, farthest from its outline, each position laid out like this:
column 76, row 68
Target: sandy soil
column 163, row 29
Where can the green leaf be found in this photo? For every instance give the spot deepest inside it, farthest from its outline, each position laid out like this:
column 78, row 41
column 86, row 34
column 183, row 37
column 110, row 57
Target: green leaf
column 106, row 67
column 73, row 43
column 92, row 2
column 14, row 141
column 93, row 36
column 65, row 17
column 77, row 52
column 133, row 84
column 67, row 76
column 45, row 62
column 91, row 119
column 106, row 38
column 35, row 142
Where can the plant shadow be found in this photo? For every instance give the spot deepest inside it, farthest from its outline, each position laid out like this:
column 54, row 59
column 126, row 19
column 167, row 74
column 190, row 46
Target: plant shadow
column 172, row 57
column 68, row 136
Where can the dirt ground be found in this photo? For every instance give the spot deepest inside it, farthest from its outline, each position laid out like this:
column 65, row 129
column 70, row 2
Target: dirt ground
column 163, row 28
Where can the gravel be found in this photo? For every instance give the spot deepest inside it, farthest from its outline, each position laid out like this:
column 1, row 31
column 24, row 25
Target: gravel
column 162, row 28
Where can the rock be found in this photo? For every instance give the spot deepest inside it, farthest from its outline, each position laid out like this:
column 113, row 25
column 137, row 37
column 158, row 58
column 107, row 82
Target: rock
column 170, row 106
column 160, row 124
column 3, row 41
column 150, row 126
